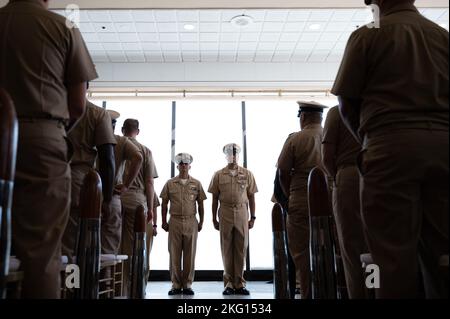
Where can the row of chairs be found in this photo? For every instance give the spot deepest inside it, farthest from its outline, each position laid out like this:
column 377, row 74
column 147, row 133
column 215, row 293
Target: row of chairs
column 100, row 276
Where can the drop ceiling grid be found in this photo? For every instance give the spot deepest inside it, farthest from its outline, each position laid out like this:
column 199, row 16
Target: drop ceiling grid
column 281, row 35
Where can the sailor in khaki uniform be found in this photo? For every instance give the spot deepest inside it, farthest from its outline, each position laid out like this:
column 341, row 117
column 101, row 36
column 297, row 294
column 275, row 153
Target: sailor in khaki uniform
column 183, row 192
column 339, row 152
column 124, row 150
column 91, row 137
column 300, row 154
column 234, row 187
column 140, row 192
column 393, row 91
column 44, row 66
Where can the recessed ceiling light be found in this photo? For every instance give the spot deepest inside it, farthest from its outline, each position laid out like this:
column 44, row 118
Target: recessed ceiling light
column 315, row 26
column 241, row 21
column 189, row 27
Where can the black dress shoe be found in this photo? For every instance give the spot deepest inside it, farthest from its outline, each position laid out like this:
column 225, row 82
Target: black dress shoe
column 242, row 291
column 228, row 291
column 188, row 291
column 175, row 291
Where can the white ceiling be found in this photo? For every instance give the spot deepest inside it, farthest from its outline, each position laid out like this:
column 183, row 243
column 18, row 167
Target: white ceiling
column 285, row 35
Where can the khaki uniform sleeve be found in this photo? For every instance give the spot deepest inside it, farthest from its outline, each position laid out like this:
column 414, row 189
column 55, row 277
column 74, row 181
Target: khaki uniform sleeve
column 252, row 188
column 351, row 77
column 79, row 65
column 286, row 159
column 331, row 127
column 201, row 193
column 214, row 185
column 165, row 192
column 103, row 131
column 152, row 167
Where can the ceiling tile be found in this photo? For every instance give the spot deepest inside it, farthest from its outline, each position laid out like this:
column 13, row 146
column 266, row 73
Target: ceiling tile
column 294, row 26
column 315, row 27
column 170, row 46
column 334, row 58
column 434, row 13
column 104, row 27
column 304, row 46
column 130, row 46
column 269, row 37
column 230, row 37
column 182, row 29
column 90, row 37
column 99, row 56
column 94, row 46
column 168, row 37
column 121, row 16
column 227, row 27
column 321, row 15
column 245, row 57
column 165, row 15
column 150, row 46
column 108, row 37
column 284, row 46
column 148, row 37
column 281, row 56
column 276, row 15
column 143, row 15
column 263, row 56
column 209, row 37
column 228, row 46
column 172, row 57
column 248, row 46
column 209, row 16
column 227, row 15
column 325, row 45
column 135, row 56
column 125, row 27
column 362, row 15
column 254, row 27
column 166, row 27
column 319, row 56
column 273, row 26
column 343, row 15
column 146, row 27
column 265, row 46
column 299, row 15
column 289, row 37
column 248, row 37
column 188, row 37
column 187, row 15
column 112, row 46
column 209, row 27
column 227, row 57
column 117, row 56
column 300, row 56
column 153, row 56
column 329, row 36
column 190, row 56
column 209, row 56
column 86, row 27
column 99, row 15
column 309, row 37
column 257, row 15
column 128, row 37
column 209, row 46
column 189, row 46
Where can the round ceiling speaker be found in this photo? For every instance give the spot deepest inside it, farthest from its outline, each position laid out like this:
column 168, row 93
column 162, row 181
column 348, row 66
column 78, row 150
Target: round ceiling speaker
column 242, row 21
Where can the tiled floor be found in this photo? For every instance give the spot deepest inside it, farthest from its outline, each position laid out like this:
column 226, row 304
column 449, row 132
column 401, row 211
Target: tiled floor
column 209, row 290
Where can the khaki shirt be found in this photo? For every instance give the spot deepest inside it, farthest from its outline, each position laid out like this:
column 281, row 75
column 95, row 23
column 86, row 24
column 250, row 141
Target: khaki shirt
column 335, row 132
column 93, row 129
column 301, row 153
column 233, row 190
column 124, row 150
column 399, row 71
column 183, row 198
column 148, row 168
column 39, row 57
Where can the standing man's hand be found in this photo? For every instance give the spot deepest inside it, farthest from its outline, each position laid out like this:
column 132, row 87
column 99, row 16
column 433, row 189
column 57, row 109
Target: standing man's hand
column 216, row 224
column 155, row 231
column 120, row 189
column 165, row 226
column 200, row 226
column 251, row 223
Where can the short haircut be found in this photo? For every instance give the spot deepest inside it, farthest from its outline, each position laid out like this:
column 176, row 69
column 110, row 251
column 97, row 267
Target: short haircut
column 130, row 125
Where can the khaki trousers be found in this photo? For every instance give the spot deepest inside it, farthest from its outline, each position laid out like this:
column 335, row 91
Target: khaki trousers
column 347, row 213
column 130, row 201
column 183, row 233
column 297, row 226
column 70, row 237
column 233, row 226
column 41, row 204
column 405, row 209
column 111, row 228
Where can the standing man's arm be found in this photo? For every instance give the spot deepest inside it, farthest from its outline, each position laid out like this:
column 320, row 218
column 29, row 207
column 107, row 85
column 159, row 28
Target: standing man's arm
column 164, row 224
column 150, row 194
column 252, row 207
column 215, row 206
column 350, row 110
column 285, row 180
column 76, row 100
column 201, row 213
column 132, row 154
column 330, row 141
